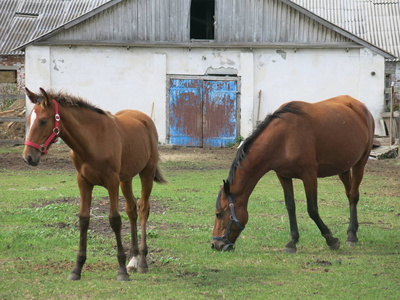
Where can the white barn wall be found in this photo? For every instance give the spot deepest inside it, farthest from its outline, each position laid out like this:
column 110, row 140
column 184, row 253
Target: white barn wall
column 318, row 74
column 115, row 78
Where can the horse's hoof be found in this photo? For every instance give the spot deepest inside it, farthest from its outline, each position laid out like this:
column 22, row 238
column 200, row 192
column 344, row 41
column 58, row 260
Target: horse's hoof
column 74, row 277
column 123, row 277
column 142, row 270
column 335, row 245
column 131, row 269
column 351, row 243
column 290, row 250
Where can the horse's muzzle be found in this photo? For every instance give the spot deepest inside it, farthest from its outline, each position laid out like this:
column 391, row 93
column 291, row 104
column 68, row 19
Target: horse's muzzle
column 32, row 158
column 222, row 246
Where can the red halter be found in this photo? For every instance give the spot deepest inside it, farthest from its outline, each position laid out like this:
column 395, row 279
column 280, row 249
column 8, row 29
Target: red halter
column 53, row 137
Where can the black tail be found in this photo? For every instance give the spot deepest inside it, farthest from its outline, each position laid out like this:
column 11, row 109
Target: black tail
column 159, row 178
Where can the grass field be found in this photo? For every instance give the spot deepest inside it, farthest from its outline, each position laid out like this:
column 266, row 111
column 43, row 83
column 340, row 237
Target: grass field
column 39, row 240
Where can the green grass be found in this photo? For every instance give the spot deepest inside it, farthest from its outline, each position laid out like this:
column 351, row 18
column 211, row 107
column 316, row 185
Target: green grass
column 39, row 241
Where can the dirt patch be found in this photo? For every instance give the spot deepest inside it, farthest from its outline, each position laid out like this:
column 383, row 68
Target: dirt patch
column 58, row 158
column 197, row 158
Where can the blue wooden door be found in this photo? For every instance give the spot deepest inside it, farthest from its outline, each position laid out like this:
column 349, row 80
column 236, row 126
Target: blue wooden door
column 219, row 112
column 202, row 112
column 185, row 112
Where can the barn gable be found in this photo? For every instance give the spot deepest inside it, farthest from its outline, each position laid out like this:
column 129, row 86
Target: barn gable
column 237, row 23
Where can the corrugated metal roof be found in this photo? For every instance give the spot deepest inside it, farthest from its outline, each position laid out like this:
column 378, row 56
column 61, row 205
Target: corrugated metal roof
column 376, row 21
column 24, row 20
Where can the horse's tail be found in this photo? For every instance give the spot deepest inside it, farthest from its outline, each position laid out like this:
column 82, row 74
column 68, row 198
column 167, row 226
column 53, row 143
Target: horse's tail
column 159, row 177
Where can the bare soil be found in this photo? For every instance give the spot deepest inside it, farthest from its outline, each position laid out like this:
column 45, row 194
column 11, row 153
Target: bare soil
column 203, row 158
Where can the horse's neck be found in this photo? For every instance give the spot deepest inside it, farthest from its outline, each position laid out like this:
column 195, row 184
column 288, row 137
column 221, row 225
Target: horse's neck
column 247, row 175
column 78, row 130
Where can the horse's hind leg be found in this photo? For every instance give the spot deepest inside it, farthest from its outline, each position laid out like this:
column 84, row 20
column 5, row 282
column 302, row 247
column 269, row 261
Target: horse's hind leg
column 146, row 177
column 354, row 196
column 353, row 226
column 346, row 180
column 311, row 187
column 287, row 185
column 85, row 189
column 131, row 210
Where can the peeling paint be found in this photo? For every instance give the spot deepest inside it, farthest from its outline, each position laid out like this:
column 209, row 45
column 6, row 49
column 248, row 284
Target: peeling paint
column 55, row 66
column 43, row 60
column 221, row 71
column 282, row 53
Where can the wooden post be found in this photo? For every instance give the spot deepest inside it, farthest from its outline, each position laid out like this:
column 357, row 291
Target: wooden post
column 152, row 110
column 258, row 121
column 259, row 105
column 391, row 137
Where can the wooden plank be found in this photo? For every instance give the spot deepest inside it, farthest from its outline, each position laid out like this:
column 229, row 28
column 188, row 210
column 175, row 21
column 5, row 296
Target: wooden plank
column 12, row 142
column 12, row 119
column 6, row 112
column 2, row 97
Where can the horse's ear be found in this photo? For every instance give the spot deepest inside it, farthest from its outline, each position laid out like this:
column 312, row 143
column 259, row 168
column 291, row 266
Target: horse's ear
column 46, row 100
column 226, row 187
column 32, row 96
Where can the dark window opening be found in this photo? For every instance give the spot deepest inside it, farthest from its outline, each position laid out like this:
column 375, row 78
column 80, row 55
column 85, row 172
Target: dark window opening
column 26, row 15
column 202, row 19
column 8, row 76
column 388, row 85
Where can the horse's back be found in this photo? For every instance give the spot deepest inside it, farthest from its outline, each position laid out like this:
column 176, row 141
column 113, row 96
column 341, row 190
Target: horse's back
column 333, row 135
column 344, row 113
column 343, row 129
column 135, row 120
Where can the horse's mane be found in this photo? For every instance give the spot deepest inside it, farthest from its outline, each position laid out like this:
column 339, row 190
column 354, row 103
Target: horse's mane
column 291, row 107
column 68, row 100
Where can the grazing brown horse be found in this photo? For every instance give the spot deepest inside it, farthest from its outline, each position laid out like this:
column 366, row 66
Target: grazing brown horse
column 107, row 150
column 305, row 141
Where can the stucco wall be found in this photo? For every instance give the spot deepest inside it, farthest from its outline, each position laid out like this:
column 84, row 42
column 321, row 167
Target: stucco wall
column 116, row 78
column 314, row 75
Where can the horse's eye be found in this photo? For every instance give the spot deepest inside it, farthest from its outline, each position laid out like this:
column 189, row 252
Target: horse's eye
column 43, row 122
column 219, row 215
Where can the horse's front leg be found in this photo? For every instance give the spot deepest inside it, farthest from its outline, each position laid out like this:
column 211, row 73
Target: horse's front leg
column 85, row 189
column 115, row 221
column 287, row 185
column 311, row 187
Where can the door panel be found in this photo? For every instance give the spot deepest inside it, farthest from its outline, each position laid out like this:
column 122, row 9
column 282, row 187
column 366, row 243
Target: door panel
column 202, row 112
column 219, row 113
column 185, row 117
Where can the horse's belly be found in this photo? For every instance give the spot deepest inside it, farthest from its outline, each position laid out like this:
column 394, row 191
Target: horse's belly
column 326, row 170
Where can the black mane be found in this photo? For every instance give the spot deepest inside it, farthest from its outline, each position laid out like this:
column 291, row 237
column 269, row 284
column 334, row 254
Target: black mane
column 291, row 107
column 65, row 99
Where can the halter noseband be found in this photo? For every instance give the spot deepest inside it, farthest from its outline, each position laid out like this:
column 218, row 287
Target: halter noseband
column 232, row 219
column 53, row 137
